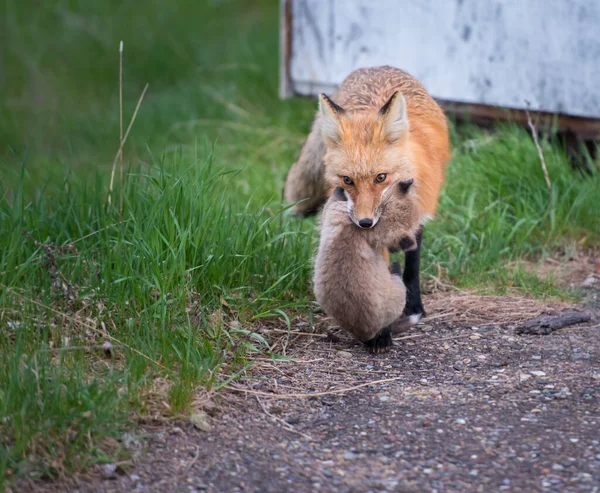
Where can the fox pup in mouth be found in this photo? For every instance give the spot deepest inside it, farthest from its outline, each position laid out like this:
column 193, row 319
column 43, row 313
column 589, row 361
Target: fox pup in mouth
column 353, row 281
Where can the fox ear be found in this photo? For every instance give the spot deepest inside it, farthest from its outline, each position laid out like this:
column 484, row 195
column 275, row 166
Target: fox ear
column 339, row 194
column 331, row 115
column 395, row 118
column 405, row 185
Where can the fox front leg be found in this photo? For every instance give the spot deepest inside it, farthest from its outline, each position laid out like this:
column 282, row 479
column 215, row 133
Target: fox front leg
column 413, row 307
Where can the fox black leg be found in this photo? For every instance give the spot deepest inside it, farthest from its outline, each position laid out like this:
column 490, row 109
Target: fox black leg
column 382, row 342
column 412, row 264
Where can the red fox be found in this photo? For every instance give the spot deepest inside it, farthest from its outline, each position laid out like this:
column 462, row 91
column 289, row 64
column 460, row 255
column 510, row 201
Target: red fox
column 381, row 126
column 352, row 280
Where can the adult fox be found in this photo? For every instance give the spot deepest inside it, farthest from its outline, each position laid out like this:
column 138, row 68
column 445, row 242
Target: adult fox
column 382, row 127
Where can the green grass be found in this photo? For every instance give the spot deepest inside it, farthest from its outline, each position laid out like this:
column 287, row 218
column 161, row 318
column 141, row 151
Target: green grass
column 201, row 240
column 496, row 207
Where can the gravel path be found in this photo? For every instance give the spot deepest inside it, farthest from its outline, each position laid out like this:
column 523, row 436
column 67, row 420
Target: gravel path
column 463, row 409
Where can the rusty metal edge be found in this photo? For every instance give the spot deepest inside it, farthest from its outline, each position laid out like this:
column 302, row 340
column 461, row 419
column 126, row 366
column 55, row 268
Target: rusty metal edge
column 585, row 128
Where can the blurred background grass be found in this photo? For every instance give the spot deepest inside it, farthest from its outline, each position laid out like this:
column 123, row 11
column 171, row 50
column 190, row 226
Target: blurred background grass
column 201, row 242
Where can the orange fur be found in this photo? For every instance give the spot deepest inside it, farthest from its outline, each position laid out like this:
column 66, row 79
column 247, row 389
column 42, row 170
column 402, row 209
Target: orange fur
column 358, row 145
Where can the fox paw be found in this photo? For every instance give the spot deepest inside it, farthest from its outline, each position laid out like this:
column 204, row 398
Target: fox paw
column 414, row 309
column 382, row 342
column 406, row 244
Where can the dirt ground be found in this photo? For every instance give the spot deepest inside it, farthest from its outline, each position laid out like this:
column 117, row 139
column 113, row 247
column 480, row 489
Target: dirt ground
column 462, row 403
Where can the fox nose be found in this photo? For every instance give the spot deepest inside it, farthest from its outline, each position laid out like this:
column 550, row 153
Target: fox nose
column 365, row 223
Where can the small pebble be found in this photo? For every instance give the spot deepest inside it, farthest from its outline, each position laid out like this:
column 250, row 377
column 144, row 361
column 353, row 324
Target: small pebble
column 344, row 354
column 200, row 421
column 537, row 373
column 577, row 356
column 557, row 467
column 107, row 347
column 590, row 281
column 109, row 471
column 461, row 421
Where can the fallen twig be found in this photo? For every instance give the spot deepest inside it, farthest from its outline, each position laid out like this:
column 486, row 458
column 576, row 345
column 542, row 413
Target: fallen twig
column 192, row 461
column 547, row 324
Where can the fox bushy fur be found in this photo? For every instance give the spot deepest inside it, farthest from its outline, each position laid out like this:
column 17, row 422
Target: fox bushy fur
column 352, row 279
column 381, row 120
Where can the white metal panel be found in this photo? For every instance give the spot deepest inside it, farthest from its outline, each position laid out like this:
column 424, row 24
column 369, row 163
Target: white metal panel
column 494, row 52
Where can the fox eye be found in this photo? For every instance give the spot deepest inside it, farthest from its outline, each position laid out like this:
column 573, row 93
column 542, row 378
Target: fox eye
column 348, row 180
column 380, row 178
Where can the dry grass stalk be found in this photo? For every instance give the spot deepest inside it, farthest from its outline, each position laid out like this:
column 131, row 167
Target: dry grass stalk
column 314, row 394
column 293, row 332
column 128, row 130
column 122, row 143
column 121, row 125
column 537, row 145
column 290, row 360
column 285, row 424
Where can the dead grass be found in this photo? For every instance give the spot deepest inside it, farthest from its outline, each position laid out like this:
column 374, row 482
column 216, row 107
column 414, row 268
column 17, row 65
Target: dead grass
column 465, row 308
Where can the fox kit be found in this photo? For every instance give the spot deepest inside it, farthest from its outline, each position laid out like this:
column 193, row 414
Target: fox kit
column 352, row 281
column 380, row 127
